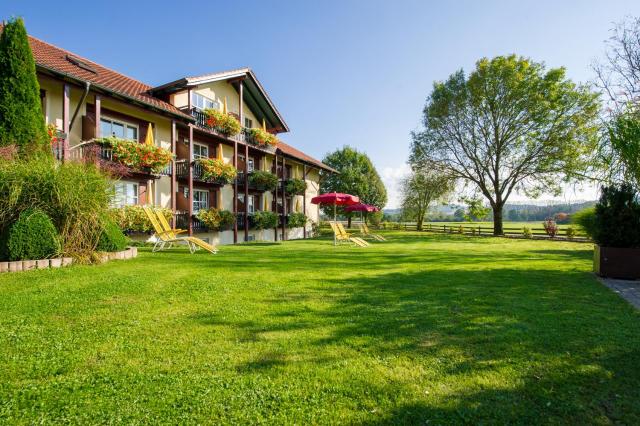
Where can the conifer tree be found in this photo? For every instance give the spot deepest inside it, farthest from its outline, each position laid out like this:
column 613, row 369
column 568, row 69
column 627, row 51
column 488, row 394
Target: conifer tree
column 21, row 119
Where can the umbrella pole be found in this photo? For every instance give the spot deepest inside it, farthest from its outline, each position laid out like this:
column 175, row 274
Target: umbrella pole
column 334, row 221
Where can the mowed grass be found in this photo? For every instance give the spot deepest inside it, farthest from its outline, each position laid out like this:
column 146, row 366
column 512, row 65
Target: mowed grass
column 425, row 328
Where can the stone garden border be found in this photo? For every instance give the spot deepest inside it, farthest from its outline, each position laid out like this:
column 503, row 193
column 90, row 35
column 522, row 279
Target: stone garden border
column 28, row 265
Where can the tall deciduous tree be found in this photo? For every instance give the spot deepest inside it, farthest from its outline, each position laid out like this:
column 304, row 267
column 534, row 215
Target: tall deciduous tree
column 21, row 120
column 423, row 187
column 511, row 125
column 356, row 175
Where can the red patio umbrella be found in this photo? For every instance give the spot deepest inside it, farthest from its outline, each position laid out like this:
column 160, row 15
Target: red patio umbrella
column 337, row 199
column 362, row 208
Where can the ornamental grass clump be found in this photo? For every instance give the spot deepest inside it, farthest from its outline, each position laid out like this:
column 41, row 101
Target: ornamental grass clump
column 262, row 137
column 136, row 155
column 33, row 236
column 264, row 180
column 217, row 220
column 75, row 196
column 216, row 169
column 222, row 122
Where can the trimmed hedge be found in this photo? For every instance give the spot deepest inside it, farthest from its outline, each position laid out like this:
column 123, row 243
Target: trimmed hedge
column 111, row 238
column 33, row 237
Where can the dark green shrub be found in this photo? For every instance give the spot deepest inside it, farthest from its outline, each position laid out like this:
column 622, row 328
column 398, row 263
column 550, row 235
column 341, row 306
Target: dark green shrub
column 21, row 121
column 586, row 219
column 571, row 232
column 617, row 221
column 264, row 220
column 296, row 220
column 111, row 238
column 295, row 186
column 33, row 237
column 263, row 180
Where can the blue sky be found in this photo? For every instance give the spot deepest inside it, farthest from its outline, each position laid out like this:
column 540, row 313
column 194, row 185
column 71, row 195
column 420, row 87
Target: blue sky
column 341, row 73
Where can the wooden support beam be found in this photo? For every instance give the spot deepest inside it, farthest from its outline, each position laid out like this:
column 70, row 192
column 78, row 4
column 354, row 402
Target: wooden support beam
column 66, row 99
column 304, row 201
column 97, row 102
column 235, row 193
column 173, row 173
column 274, row 168
column 190, row 179
column 284, row 203
column 246, row 192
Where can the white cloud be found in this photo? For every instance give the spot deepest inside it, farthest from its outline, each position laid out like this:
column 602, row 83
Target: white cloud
column 391, row 177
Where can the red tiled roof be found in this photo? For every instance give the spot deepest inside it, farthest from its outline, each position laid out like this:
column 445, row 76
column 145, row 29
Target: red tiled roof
column 55, row 59
column 292, row 152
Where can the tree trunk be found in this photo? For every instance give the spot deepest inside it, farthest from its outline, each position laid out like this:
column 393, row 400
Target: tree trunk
column 349, row 221
column 497, row 220
column 419, row 223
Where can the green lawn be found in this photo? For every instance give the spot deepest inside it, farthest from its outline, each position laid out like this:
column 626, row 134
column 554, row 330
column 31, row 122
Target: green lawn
column 427, row 327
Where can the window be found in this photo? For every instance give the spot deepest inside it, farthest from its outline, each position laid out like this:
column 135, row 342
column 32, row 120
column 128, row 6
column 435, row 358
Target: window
column 202, row 102
column 250, row 165
column 109, row 127
column 248, row 123
column 200, row 151
column 200, row 200
column 251, row 207
column 126, row 194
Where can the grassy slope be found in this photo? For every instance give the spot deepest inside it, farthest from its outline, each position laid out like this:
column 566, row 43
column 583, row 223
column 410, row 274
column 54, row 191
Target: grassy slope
column 438, row 327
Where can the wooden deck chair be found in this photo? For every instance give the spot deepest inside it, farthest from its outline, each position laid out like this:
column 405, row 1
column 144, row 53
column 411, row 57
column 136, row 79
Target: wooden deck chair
column 339, row 237
column 357, row 240
column 165, row 238
column 196, row 242
column 364, row 229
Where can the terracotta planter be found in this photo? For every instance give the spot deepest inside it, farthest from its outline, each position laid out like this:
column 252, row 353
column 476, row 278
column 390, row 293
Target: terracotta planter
column 67, row 261
column 615, row 262
column 55, row 263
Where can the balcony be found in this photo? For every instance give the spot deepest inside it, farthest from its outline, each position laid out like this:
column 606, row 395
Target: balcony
column 182, row 222
column 93, row 152
column 182, row 172
column 249, row 140
column 258, row 185
column 201, row 122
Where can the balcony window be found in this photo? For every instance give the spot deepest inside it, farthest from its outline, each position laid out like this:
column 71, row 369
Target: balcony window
column 202, row 102
column 200, row 200
column 250, row 165
column 251, row 206
column 248, row 123
column 126, row 194
column 109, row 127
column 200, row 151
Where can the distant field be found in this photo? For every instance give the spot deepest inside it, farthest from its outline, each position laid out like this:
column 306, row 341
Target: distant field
column 531, row 224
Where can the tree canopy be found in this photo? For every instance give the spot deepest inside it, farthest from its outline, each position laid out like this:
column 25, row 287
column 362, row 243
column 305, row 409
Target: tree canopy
column 356, row 175
column 21, row 119
column 421, row 189
column 510, row 125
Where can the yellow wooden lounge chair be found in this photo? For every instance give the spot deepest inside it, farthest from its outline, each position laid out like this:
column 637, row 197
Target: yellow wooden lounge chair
column 165, row 237
column 364, row 230
column 341, row 238
column 197, row 242
column 345, row 235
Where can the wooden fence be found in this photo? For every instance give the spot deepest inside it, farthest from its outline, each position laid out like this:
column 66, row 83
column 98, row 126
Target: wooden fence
column 479, row 230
